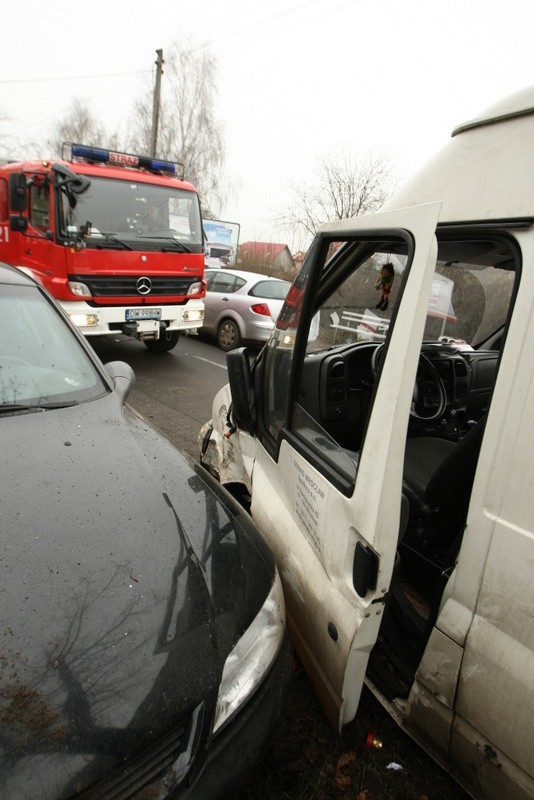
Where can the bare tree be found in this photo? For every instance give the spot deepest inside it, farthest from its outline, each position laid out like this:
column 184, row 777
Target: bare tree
column 343, row 186
column 80, row 125
column 7, row 141
column 188, row 129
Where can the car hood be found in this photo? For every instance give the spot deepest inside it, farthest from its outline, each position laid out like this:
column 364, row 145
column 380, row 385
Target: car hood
column 125, row 580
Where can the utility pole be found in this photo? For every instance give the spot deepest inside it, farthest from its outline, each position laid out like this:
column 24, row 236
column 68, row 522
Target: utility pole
column 155, row 107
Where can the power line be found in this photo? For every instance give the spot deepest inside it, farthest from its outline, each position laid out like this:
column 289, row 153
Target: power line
column 77, row 77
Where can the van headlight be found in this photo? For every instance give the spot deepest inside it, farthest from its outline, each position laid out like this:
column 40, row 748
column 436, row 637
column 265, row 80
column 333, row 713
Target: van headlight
column 252, row 657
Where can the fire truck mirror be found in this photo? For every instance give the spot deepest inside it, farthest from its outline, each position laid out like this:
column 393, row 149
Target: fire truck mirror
column 17, row 191
column 18, row 223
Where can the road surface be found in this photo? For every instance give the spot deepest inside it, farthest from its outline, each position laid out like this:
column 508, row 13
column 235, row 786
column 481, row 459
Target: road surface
column 173, row 390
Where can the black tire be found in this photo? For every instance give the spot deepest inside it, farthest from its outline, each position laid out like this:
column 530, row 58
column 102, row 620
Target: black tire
column 228, row 336
column 166, row 342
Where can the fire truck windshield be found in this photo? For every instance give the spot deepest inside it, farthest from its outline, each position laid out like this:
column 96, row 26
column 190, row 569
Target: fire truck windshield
column 143, row 215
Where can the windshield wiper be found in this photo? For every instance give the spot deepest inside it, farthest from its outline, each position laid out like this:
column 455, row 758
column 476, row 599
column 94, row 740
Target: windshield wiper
column 46, row 404
column 42, row 405
column 6, row 408
column 110, row 237
column 180, row 245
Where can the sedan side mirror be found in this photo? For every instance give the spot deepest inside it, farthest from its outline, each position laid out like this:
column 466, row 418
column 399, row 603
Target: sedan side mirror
column 122, row 376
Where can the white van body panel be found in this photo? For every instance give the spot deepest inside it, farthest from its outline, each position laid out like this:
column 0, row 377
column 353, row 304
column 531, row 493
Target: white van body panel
column 483, row 173
column 471, row 703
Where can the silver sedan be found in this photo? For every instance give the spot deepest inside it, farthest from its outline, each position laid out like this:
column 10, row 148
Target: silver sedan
column 241, row 306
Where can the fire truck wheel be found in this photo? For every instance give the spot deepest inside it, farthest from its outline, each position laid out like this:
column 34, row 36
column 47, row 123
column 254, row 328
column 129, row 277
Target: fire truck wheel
column 165, row 342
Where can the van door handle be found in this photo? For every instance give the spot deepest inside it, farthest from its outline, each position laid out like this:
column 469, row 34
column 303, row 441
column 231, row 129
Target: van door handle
column 364, row 569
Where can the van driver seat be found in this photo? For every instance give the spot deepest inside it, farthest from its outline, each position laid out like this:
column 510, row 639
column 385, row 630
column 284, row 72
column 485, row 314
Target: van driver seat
column 437, row 480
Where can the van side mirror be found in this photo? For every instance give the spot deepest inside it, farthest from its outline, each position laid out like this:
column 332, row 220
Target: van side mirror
column 241, row 389
column 17, row 191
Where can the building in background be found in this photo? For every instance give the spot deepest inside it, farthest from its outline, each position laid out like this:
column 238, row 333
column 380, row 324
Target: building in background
column 267, row 258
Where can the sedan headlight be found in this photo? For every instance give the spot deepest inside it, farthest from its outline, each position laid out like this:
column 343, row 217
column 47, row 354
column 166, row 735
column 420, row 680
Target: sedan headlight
column 250, row 660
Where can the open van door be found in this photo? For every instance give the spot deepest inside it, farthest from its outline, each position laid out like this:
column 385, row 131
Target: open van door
column 333, row 392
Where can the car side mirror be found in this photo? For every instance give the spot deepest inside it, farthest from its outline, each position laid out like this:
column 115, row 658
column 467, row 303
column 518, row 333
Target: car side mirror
column 122, row 376
column 241, row 389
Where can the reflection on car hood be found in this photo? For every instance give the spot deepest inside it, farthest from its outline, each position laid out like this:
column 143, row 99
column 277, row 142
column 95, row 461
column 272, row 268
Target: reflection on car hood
column 123, row 578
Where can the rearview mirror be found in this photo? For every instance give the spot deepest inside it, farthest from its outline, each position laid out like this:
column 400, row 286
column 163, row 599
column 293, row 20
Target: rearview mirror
column 240, row 379
column 17, row 191
column 18, row 223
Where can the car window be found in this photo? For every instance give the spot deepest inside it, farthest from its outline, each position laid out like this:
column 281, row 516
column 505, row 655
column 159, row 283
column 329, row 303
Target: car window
column 41, row 360
column 39, row 211
column 224, row 282
column 271, row 289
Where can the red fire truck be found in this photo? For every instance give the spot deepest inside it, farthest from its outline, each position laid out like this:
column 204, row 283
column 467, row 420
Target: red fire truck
column 116, row 238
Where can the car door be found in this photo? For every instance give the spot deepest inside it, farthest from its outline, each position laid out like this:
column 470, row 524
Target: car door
column 220, row 285
column 329, row 444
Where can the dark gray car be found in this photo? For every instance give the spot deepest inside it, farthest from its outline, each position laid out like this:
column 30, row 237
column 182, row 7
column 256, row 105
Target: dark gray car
column 141, row 617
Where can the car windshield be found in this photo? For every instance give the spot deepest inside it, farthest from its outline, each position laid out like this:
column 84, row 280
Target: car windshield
column 42, row 363
column 133, row 213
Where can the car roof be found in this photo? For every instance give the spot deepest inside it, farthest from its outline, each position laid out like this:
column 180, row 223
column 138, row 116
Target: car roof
column 248, row 276
column 14, row 276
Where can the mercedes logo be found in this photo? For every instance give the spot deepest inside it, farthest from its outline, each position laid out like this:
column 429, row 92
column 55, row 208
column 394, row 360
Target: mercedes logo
column 143, row 285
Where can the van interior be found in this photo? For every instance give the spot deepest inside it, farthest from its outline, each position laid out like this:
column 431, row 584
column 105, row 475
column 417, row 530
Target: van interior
column 473, row 290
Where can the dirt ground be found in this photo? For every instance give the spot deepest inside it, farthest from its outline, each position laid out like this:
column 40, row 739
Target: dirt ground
column 307, row 760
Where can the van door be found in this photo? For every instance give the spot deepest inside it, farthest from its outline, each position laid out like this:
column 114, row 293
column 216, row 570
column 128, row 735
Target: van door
column 334, row 390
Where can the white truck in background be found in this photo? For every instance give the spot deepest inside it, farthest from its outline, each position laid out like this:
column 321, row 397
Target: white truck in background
column 392, row 474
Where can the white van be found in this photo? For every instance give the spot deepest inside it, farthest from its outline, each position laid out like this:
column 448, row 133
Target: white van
column 387, row 452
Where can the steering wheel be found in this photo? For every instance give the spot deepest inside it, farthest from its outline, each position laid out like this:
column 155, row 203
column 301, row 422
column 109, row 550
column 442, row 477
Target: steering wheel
column 425, row 371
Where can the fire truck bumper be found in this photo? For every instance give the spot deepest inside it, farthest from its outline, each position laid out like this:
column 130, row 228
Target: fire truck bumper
column 141, row 322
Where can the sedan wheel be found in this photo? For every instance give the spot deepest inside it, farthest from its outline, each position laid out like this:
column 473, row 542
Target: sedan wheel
column 228, row 336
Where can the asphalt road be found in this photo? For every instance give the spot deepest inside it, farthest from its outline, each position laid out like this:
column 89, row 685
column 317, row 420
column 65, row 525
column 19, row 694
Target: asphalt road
column 173, row 390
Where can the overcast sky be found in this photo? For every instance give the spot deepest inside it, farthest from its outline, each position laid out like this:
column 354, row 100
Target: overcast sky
column 297, row 79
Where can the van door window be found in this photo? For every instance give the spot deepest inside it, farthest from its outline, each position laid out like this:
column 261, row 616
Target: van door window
column 320, row 377
column 359, row 290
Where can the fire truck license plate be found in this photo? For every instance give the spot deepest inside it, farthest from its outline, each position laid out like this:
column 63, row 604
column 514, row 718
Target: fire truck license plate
column 142, row 313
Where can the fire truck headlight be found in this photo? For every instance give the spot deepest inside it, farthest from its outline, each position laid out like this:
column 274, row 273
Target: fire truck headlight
column 84, row 320
column 195, row 288
column 79, row 289
column 194, row 315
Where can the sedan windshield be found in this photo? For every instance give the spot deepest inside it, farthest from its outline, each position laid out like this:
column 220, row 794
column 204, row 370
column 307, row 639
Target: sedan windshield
column 128, row 214
column 42, row 364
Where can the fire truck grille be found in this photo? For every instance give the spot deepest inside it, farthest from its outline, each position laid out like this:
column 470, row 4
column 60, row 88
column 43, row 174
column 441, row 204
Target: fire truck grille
column 144, row 286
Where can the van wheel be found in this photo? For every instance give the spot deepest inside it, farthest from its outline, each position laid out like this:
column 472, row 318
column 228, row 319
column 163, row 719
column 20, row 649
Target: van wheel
column 228, row 336
column 165, row 342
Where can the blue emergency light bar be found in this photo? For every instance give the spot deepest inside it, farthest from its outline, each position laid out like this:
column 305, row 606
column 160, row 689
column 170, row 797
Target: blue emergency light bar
column 97, row 154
